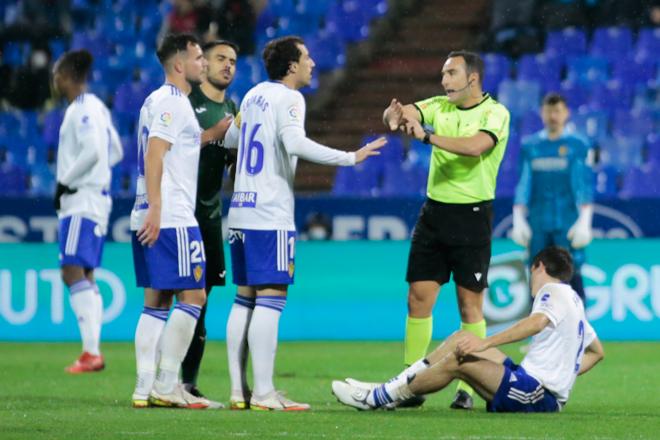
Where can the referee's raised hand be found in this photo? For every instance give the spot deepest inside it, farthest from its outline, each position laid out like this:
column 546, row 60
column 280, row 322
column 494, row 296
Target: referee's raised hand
column 370, row 149
column 393, row 115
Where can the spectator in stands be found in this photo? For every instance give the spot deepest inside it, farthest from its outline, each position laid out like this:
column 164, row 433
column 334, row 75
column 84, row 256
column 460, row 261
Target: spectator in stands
column 317, row 227
column 29, row 86
column 187, row 16
column 512, row 28
column 235, row 20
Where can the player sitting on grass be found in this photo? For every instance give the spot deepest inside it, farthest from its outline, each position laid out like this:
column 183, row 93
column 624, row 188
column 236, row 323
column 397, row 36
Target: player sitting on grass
column 564, row 346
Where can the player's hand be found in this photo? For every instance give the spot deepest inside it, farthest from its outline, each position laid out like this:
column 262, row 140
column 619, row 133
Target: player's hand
column 394, row 115
column 521, row 233
column 370, row 149
column 219, row 130
column 150, row 230
column 414, row 128
column 580, row 234
column 60, row 190
column 469, row 344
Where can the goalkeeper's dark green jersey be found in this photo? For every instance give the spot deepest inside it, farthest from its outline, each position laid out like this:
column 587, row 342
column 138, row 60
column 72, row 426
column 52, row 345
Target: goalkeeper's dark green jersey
column 213, row 158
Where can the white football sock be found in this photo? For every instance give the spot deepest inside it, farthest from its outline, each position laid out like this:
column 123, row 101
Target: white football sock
column 237, row 331
column 84, row 305
column 99, row 311
column 147, row 334
column 396, row 389
column 177, row 335
column 262, row 341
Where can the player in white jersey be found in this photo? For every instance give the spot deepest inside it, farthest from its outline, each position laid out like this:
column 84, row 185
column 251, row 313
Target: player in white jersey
column 168, row 252
column 88, row 147
column 564, row 345
column 270, row 136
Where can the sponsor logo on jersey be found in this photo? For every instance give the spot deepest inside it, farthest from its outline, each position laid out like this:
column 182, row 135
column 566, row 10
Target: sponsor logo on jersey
column 198, row 272
column 166, row 118
column 294, row 113
column 563, row 150
column 200, row 110
column 244, row 200
column 545, row 297
column 549, row 163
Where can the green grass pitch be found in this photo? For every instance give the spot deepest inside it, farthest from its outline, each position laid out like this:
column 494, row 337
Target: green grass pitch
column 619, row 399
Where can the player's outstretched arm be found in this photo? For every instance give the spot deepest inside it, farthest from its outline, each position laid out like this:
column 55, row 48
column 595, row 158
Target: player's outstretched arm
column 153, row 174
column 523, row 329
column 593, row 354
column 465, row 146
column 217, row 132
column 370, row 149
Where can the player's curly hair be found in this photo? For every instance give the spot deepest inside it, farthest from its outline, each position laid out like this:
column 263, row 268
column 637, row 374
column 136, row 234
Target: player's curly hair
column 557, row 261
column 279, row 54
column 75, row 64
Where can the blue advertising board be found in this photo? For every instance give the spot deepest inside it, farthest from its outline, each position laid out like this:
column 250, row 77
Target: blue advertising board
column 351, row 290
column 33, row 220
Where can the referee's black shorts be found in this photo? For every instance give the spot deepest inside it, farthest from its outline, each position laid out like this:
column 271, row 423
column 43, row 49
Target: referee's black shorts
column 213, row 249
column 452, row 239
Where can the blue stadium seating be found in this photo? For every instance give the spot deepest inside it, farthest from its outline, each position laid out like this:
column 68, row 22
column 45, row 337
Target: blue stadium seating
column 498, row 67
column 566, row 42
column 542, row 68
column 610, row 43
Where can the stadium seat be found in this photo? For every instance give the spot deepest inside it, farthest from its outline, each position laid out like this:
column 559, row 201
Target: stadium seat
column 327, row 51
column 576, row 95
column 51, row 126
column 519, row 96
column 621, row 152
column 566, row 42
column 641, row 182
column 360, row 180
column 607, row 182
column 13, row 179
column 42, row 181
column 404, row 179
column 637, row 122
column 348, row 20
column 634, row 71
column 530, row 122
column 648, row 40
column 611, row 42
column 591, row 123
column 609, row 96
column 542, row 68
column 14, row 53
column 498, row 67
column 653, row 148
column 587, row 70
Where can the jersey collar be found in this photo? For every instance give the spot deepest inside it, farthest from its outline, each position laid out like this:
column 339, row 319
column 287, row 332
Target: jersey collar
column 486, row 96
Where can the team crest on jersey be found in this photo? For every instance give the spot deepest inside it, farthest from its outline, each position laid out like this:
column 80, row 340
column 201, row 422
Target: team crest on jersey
column 294, row 113
column 198, row 272
column 166, row 118
column 291, row 268
column 563, row 150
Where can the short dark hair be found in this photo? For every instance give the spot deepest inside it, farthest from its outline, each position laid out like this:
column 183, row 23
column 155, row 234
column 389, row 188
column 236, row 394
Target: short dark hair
column 554, row 98
column 212, row 44
column 76, row 64
column 473, row 62
column 557, row 261
column 279, row 54
column 173, row 43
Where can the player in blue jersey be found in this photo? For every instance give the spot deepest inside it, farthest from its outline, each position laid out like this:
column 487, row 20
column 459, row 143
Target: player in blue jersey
column 555, row 190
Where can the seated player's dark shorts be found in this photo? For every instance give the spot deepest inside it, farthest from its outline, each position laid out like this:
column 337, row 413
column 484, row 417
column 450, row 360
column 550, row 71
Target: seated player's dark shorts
column 452, row 239
column 213, row 248
column 520, row 392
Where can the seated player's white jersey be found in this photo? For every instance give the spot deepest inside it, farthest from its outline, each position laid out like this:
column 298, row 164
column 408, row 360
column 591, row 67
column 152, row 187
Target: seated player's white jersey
column 167, row 114
column 88, row 147
column 555, row 353
column 263, row 188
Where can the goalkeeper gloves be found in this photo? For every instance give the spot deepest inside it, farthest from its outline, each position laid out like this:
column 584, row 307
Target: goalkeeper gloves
column 580, row 233
column 521, row 232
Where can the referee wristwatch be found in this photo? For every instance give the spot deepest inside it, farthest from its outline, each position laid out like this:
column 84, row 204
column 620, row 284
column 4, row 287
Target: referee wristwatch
column 427, row 137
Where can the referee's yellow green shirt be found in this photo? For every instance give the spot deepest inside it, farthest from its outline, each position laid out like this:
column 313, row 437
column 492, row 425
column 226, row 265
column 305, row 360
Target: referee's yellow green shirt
column 454, row 178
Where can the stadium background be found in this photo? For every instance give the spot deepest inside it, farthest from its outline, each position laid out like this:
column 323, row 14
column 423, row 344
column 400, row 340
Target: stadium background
column 602, row 55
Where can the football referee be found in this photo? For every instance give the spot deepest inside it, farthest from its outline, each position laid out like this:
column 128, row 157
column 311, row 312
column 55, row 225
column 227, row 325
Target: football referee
column 210, row 103
column 453, row 231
